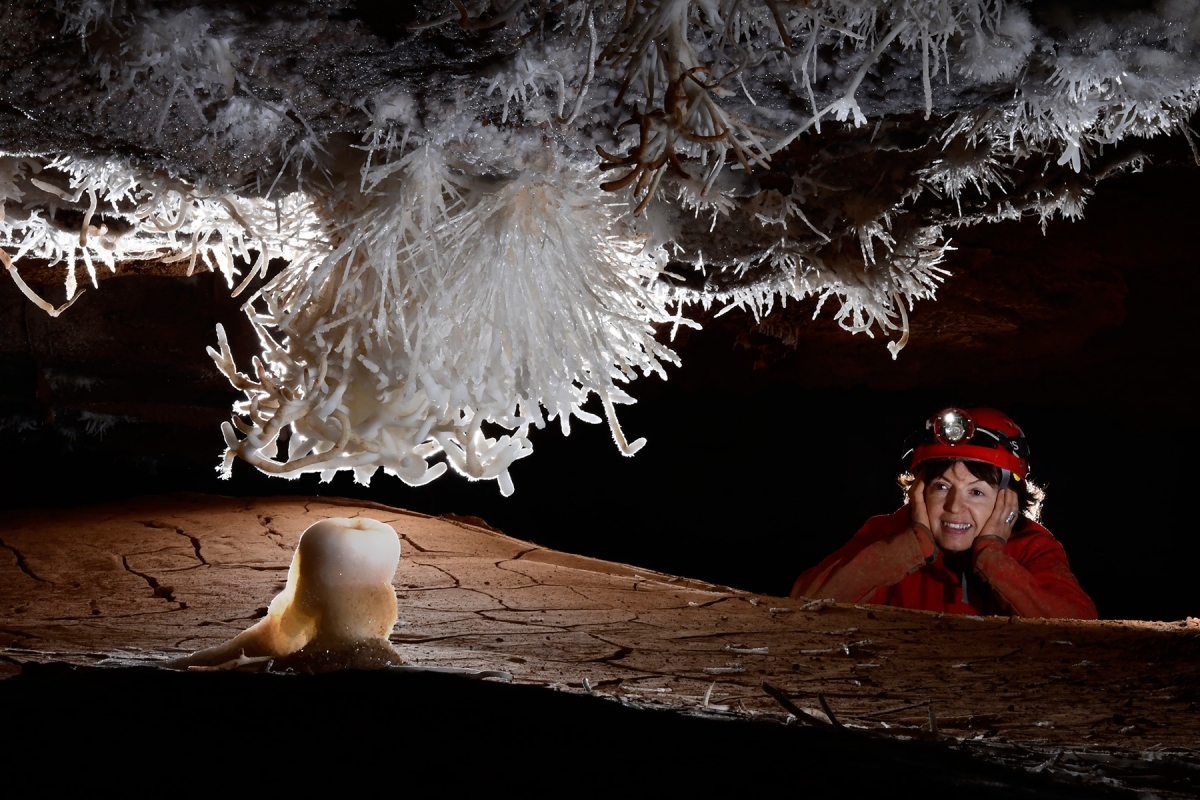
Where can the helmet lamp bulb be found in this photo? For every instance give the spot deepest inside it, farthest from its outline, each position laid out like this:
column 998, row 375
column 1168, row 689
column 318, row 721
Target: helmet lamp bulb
column 952, row 426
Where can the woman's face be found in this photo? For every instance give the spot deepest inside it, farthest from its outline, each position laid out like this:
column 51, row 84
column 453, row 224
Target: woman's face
column 959, row 504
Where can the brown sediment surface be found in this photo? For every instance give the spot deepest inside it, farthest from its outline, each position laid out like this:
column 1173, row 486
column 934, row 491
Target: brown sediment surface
column 141, row 581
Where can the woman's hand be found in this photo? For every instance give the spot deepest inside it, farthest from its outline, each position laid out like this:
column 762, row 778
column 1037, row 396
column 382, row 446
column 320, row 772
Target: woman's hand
column 916, row 499
column 1004, row 516
column 920, row 518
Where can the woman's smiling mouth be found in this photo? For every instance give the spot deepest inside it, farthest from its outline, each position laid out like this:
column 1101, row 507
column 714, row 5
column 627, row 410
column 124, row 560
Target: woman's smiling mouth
column 957, row 527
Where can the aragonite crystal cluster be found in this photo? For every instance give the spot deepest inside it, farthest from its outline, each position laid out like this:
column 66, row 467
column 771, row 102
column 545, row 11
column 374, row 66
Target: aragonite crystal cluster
column 485, row 216
column 337, row 609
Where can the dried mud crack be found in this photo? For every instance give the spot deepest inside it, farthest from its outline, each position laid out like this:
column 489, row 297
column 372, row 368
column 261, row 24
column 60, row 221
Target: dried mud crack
column 180, row 531
column 158, row 590
column 21, row 563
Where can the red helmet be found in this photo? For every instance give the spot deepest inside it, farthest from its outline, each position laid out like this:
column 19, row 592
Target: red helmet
column 972, row 434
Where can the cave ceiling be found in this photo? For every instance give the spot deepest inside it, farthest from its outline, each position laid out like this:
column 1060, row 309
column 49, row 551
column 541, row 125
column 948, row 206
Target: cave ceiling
column 817, row 169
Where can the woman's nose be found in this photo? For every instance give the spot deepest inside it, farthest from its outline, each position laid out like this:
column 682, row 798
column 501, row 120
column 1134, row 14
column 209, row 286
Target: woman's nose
column 952, row 498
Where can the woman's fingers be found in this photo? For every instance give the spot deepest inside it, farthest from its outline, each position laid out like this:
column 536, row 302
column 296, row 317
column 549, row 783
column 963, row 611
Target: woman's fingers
column 916, row 497
column 1003, row 517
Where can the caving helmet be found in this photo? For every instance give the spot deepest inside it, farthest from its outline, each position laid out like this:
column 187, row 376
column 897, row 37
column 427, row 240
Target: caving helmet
column 971, row 434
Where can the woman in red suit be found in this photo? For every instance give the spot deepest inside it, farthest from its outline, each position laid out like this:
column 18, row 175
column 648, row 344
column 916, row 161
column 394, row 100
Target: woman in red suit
column 967, row 541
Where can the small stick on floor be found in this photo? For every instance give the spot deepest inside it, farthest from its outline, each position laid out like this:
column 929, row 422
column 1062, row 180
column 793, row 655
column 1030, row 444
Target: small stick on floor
column 933, row 728
column 894, row 710
column 790, row 707
column 828, row 711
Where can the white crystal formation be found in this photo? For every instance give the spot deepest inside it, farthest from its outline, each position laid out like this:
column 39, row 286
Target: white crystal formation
column 477, row 248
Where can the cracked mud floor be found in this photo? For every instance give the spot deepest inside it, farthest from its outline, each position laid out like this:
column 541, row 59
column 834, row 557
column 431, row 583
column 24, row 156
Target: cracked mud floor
column 137, row 582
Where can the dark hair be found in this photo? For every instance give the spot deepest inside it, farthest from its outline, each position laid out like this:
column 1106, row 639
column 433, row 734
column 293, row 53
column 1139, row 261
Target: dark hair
column 1030, row 496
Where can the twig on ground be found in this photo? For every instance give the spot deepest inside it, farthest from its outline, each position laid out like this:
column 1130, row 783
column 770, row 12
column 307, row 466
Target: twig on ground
column 828, row 711
column 893, row 710
column 790, row 707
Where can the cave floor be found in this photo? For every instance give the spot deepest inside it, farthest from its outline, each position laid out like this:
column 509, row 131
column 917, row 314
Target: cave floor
column 136, row 582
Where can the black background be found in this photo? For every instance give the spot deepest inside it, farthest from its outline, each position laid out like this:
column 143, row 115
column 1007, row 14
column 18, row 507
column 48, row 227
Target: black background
column 750, row 488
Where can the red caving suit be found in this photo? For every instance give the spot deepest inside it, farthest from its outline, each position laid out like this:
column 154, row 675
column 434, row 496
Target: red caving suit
column 889, row 562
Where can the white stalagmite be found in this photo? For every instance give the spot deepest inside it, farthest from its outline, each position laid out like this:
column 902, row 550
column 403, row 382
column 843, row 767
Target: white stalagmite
column 338, row 601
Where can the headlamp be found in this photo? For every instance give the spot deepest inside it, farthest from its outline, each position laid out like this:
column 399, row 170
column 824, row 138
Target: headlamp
column 953, row 426
column 971, row 434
